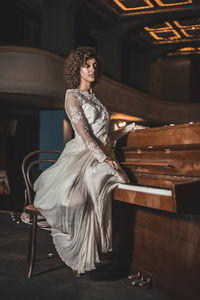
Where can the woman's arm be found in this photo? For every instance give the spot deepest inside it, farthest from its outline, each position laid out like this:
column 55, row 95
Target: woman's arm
column 77, row 117
column 115, row 135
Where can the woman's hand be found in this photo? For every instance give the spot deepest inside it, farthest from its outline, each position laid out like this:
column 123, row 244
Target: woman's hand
column 112, row 163
column 139, row 127
column 133, row 126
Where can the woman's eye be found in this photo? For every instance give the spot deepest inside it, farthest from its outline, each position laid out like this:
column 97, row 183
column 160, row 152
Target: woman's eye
column 88, row 66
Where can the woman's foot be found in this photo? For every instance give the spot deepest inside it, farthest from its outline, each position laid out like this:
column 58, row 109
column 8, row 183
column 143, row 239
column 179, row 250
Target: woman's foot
column 76, row 274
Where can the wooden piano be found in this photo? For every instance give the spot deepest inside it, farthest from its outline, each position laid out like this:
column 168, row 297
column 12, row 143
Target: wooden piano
column 156, row 220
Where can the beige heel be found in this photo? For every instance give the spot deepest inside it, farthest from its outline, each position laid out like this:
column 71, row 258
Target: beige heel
column 76, row 274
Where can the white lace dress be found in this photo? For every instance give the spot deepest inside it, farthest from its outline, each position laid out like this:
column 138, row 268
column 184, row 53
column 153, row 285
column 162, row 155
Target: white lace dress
column 74, row 194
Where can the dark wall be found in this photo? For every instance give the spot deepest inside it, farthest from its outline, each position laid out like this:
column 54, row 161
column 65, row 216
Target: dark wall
column 170, row 79
column 195, row 79
column 165, row 78
column 17, row 143
column 20, row 23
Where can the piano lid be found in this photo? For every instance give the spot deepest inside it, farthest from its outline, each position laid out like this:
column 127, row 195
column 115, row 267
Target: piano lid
column 169, row 135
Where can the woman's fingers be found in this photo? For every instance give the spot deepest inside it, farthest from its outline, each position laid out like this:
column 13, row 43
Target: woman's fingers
column 115, row 165
column 140, row 127
column 112, row 163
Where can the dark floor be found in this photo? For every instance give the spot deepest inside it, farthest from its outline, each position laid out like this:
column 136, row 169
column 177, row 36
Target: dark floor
column 53, row 280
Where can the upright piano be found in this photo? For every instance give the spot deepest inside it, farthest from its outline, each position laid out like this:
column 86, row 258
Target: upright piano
column 156, row 218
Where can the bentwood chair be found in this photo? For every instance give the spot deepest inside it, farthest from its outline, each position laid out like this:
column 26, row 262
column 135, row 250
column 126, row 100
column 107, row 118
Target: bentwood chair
column 31, row 170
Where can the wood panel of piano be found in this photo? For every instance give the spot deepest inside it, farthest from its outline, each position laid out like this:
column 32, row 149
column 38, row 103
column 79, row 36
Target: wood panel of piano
column 156, row 220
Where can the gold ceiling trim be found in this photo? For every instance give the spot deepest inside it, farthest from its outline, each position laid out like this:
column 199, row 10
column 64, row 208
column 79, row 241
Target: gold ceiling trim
column 123, row 7
column 179, row 31
column 167, row 28
column 154, row 32
column 185, row 51
column 149, row 4
column 174, row 37
column 184, row 28
column 189, row 49
column 160, row 3
column 194, row 26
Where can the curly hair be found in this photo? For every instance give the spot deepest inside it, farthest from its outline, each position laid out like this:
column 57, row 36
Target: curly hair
column 76, row 59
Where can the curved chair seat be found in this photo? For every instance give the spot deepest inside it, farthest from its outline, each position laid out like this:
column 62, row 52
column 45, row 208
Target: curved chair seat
column 31, row 209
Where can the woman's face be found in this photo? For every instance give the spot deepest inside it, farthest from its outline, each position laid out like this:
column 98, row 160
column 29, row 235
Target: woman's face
column 88, row 72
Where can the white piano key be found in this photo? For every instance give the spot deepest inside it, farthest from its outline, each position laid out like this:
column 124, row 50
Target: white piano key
column 144, row 189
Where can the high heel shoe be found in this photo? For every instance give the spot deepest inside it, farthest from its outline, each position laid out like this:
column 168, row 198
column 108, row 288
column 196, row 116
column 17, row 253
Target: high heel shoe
column 76, row 274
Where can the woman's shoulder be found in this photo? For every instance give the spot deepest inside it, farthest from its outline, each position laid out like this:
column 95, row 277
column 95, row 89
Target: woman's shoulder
column 74, row 93
column 71, row 91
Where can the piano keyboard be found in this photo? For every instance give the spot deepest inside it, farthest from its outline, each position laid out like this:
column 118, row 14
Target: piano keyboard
column 144, row 189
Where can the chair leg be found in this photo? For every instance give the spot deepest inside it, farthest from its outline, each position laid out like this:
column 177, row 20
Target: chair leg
column 28, row 257
column 33, row 246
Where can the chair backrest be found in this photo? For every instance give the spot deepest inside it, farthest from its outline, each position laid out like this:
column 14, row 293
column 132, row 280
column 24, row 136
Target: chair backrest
column 31, row 160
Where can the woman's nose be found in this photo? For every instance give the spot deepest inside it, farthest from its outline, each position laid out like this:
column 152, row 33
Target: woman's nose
column 92, row 68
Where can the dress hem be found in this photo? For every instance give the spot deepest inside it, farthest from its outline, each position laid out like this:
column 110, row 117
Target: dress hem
column 93, row 266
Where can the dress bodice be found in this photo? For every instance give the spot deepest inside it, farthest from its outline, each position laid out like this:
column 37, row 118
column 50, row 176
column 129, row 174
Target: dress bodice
column 95, row 113
column 90, row 120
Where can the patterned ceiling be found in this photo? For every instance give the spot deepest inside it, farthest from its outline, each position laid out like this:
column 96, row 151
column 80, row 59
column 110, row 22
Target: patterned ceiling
column 163, row 23
column 131, row 7
column 173, row 31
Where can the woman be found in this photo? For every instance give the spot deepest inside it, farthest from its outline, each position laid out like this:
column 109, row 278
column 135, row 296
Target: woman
column 74, row 194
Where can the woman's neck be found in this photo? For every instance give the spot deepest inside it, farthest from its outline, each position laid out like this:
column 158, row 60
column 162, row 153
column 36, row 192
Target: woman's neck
column 84, row 87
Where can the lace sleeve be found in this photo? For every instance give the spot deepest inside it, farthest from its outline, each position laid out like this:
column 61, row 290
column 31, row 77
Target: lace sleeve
column 115, row 135
column 77, row 117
